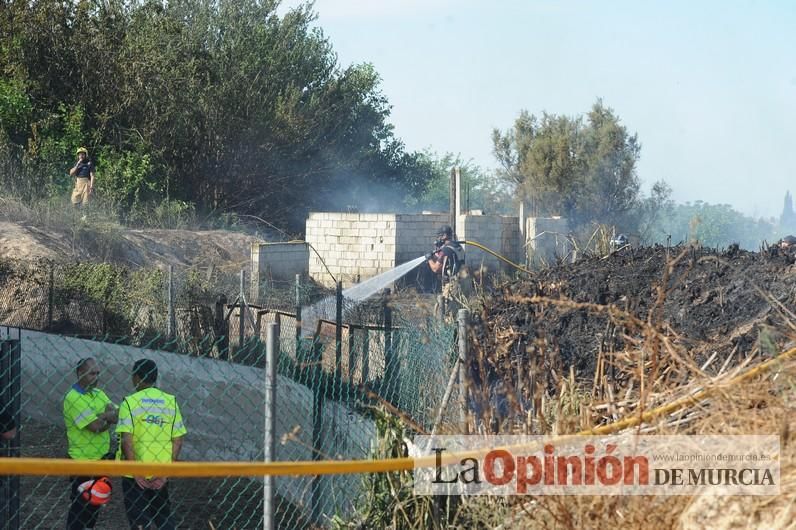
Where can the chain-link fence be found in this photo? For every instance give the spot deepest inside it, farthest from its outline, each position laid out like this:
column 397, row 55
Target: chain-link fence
column 180, row 305
column 331, row 379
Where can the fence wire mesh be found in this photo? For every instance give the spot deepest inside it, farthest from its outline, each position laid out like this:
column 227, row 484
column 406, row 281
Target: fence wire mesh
column 101, row 299
column 330, row 381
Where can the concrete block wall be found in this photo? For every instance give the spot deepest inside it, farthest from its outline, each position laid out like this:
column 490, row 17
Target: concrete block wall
column 357, row 246
column 354, row 246
column 279, row 262
column 486, row 230
column 511, row 241
column 416, row 233
column 547, row 239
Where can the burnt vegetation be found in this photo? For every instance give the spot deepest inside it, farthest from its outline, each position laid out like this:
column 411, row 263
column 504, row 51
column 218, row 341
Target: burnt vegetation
column 674, row 314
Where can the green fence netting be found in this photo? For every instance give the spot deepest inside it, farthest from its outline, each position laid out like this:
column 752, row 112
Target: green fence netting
column 331, row 379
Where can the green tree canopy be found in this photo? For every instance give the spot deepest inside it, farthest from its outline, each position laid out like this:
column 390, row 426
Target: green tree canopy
column 218, row 102
column 583, row 168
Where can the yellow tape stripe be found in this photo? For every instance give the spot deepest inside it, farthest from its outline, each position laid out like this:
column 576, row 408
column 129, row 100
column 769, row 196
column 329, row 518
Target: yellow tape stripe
column 67, row 467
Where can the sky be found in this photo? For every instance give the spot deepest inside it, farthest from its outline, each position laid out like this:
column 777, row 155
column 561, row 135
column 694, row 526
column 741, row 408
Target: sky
column 708, row 86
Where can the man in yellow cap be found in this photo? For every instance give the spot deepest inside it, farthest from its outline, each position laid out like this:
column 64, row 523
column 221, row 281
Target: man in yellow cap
column 83, row 171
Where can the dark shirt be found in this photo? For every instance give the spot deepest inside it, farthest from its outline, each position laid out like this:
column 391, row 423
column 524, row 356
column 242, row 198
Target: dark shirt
column 85, row 169
column 448, row 252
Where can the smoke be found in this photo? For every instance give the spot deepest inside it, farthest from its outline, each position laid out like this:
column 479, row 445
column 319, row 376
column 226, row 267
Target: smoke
column 360, row 194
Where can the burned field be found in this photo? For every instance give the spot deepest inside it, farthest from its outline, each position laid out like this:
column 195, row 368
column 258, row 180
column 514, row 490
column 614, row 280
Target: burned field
column 677, row 312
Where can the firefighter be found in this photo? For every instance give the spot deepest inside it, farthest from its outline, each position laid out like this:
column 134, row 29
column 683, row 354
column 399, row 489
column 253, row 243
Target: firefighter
column 83, row 172
column 448, row 258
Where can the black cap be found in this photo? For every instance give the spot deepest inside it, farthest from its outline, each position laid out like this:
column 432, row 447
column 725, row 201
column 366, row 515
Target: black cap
column 790, row 240
column 445, row 230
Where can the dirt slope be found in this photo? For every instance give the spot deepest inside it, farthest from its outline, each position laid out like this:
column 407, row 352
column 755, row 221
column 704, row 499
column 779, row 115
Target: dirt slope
column 19, row 241
column 136, row 248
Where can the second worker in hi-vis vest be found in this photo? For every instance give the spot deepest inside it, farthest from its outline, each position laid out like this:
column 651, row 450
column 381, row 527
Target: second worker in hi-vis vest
column 150, row 430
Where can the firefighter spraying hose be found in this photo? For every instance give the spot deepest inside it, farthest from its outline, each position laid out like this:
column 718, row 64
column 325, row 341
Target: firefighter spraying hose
column 448, row 254
column 442, row 266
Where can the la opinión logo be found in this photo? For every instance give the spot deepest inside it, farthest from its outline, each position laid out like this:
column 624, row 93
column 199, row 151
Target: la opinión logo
column 593, row 465
column 500, row 467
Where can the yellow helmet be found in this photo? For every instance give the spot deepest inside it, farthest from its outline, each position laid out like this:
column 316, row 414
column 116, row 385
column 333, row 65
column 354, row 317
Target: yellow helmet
column 81, row 150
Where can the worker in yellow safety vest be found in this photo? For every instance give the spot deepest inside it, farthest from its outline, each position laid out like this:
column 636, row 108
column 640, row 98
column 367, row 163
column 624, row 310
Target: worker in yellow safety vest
column 88, row 416
column 150, row 430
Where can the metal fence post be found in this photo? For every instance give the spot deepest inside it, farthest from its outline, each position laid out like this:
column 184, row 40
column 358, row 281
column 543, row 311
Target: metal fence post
column 298, row 313
column 171, row 319
column 241, row 312
column 463, row 319
column 317, row 426
column 50, row 297
column 351, row 361
column 221, row 328
column 10, row 397
column 338, row 338
column 269, row 447
column 366, row 356
column 254, row 283
column 391, row 372
column 453, row 200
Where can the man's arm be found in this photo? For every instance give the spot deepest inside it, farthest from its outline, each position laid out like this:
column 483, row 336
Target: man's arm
column 104, row 420
column 177, row 432
column 99, row 425
column 91, row 182
column 441, row 263
column 127, row 446
column 176, row 445
column 434, row 262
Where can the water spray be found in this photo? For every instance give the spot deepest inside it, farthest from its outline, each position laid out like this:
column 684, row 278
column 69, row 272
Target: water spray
column 322, row 310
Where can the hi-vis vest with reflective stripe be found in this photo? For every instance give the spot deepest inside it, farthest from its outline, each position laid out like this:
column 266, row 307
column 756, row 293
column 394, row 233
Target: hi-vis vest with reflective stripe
column 82, row 407
column 154, row 420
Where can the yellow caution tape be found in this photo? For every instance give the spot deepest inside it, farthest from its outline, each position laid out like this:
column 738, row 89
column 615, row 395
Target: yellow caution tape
column 67, row 467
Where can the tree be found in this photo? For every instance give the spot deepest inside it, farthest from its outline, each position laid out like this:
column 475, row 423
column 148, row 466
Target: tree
column 712, row 225
column 228, row 105
column 583, row 169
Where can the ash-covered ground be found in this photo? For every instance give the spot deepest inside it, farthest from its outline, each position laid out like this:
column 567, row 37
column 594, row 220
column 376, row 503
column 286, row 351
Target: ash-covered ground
column 734, row 302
